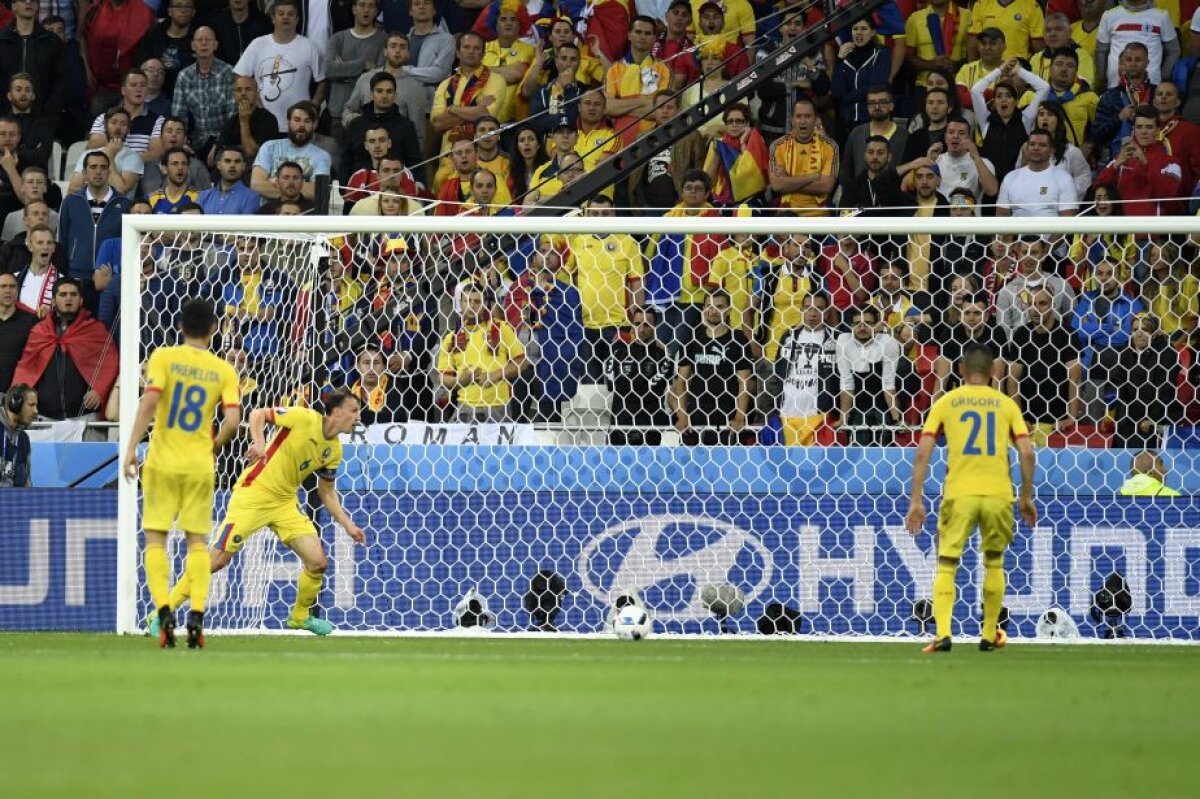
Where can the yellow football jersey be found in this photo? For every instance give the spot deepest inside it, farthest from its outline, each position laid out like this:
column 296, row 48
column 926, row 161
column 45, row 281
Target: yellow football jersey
column 733, row 270
column 794, row 158
column 193, row 382
column 298, row 449
column 1021, row 21
column 979, row 423
column 604, row 268
column 489, row 346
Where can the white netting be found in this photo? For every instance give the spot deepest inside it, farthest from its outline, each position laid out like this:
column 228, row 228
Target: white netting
column 529, row 399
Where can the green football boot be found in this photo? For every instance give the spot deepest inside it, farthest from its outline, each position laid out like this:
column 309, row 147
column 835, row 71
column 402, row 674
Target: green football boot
column 312, row 624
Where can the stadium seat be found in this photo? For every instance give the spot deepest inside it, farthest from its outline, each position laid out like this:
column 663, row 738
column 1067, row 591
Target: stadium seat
column 336, row 203
column 1183, row 437
column 57, row 157
column 73, row 153
column 586, row 416
column 1084, row 435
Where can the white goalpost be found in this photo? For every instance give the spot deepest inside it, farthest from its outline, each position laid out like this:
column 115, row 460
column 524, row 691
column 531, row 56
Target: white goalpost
column 528, row 456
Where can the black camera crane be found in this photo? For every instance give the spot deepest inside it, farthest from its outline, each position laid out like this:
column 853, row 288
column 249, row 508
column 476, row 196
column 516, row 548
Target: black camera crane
column 651, row 143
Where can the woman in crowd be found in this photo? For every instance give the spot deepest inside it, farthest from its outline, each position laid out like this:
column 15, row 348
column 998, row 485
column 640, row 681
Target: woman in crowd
column 863, row 63
column 1171, row 292
column 712, row 59
column 932, row 126
column 1053, row 119
column 1006, row 127
column 737, row 161
column 527, row 155
column 1092, row 248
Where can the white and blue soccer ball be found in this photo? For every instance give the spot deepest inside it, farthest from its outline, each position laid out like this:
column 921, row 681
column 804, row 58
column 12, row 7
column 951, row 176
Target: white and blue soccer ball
column 632, row 623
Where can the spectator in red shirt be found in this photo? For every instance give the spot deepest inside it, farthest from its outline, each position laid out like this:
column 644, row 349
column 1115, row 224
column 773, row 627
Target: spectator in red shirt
column 69, row 358
column 108, row 40
column 1144, row 171
column 1183, row 136
column 848, row 273
column 674, row 47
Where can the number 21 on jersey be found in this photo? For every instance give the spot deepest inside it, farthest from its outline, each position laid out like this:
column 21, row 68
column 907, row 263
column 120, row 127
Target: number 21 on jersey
column 977, row 422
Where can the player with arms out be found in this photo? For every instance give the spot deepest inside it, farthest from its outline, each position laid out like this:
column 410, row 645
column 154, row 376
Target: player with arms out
column 305, row 442
column 979, row 423
column 179, row 472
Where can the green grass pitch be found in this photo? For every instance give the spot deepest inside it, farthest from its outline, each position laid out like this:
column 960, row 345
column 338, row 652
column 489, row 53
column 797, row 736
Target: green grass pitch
column 103, row 716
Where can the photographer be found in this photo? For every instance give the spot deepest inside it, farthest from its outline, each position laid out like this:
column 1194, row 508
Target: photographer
column 20, row 409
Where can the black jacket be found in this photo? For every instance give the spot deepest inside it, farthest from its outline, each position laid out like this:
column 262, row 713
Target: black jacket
column 880, row 196
column 399, row 127
column 638, row 374
column 1145, row 381
column 234, row 38
column 41, row 54
column 14, row 332
column 37, row 139
column 15, row 257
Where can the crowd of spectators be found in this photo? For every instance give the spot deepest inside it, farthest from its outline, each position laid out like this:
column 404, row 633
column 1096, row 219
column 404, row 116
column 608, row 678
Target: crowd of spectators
column 490, row 107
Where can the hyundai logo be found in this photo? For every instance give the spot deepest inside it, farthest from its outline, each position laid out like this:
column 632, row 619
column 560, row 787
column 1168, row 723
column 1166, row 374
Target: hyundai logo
column 669, row 558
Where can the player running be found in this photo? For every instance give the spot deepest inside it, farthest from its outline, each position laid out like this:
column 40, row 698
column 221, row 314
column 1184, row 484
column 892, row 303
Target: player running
column 979, row 423
column 178, row 475
column 265, row 496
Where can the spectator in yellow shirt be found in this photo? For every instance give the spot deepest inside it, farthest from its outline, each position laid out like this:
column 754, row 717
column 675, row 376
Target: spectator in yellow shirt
column 632, row 82
column 1021, row 21
column 472, row 91
column 804, row 165
column 509, row 57
column 480, row 360
column 927, row 50
column 608, row 272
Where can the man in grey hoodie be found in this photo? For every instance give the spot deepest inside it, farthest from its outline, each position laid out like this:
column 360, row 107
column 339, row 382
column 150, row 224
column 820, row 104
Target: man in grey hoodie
column 1013, row 300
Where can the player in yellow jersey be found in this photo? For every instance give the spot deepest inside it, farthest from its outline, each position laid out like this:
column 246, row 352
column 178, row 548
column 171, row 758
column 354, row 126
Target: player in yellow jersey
column 178, row 475
column 979, row 423
column 305, row 442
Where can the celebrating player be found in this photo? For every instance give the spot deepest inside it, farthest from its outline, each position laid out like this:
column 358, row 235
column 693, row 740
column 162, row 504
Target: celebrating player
column 177, row 478
column 265, row 495
column 979, row 423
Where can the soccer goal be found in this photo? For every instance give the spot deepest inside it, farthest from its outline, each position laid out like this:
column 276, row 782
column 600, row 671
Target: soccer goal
column 714, row 415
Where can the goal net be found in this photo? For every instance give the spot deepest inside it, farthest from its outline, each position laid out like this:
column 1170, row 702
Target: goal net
column 714, row 416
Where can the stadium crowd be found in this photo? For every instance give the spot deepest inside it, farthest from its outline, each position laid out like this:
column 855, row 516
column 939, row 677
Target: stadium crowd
column 485, row 108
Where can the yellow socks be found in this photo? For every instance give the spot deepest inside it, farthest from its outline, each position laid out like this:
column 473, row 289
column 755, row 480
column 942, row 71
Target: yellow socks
column 158, row 573
column 943, row 596
column 307, row 588
column 993, row 594
column 197, row 572
column 181, row 591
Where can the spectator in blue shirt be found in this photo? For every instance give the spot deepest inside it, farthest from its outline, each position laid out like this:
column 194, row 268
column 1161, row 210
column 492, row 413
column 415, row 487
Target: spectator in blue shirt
column 551, row 326
column 297, row 148
column 1104, row 317
column 230, row 195
column 86, row 219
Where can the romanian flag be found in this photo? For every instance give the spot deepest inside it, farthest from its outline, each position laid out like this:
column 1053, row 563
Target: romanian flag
column 452, row 194
column 677, row 255
column 608, row 21
column 485, row 23
column 741, row 168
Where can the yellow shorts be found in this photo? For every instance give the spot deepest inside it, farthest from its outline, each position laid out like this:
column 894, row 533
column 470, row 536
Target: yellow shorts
column 186, row 496
column 801, row 431
column 959, row 517
column 246, row 515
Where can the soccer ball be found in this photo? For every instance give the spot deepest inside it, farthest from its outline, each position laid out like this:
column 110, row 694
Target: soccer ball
column 632, row 623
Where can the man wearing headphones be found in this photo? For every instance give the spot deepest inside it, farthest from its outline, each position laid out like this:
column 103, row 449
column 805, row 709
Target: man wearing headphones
column 20, row 409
